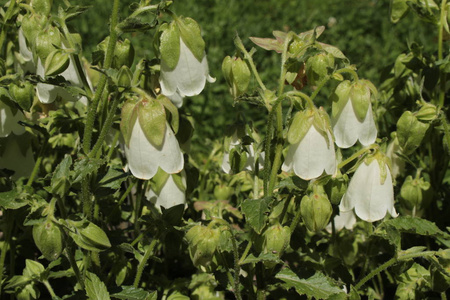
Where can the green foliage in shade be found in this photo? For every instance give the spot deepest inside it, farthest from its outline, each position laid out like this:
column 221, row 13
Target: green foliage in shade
column 317, row 286
column 255, row 211
column 132, row 293
column 95, row 288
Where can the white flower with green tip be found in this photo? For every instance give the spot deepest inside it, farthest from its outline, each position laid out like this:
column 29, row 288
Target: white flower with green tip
column 167, row 190
column 370, row 191
column 184, row 68
column 150, row 141
column 311, row 152
column 352, row 114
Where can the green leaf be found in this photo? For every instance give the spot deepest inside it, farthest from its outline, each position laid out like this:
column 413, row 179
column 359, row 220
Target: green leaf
column 60, row 182
column 73, row 11
column 88, row 236
column 135, row 25
column 410, row 132
column 85, row 167
column 113, row 179
column 132, row 293
column 95, row 288
column 18, row 281
column 398, row 9
column 191, row 34
column 174, row 117
column 170, row 46
column 391, row 229
column 317, row 286
column 251, row 259
column 152, row 118
column 256, row 212
column 12, row 200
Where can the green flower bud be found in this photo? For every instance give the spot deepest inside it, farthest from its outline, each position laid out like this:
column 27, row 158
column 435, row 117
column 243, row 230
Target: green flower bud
column 32, row 25
column 56, row 63
column 45, row 41
column 125, row 77
column 23, row 94
column 427, row 113
column 317, row 67
column 222, row 192
column 49, row 239
column 410, row 132
column 42, row 7
column 237, row 75
column 203, row 242
column 316, row 211
column 276, row 239
column 415, row 193
column 123, row 54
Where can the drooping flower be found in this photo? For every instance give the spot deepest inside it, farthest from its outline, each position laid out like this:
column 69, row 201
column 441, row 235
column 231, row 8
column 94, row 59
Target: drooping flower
column 352, row 116
column 184, row 68
column 150, row 141
column 370, row 191
column 26, row 56
column 9, row 120
column 312, row 148
column 397, row 163
column 345, row 219
column 168, row 191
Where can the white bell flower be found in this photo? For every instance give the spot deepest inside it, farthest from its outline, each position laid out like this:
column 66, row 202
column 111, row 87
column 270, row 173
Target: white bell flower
column 250, row 163
column 311, row 156
column 170, row 194
column 371, row 195
column 188, row 78
column 9, row 121
column 348, row 129
column 345, row 219
column 47, row 93
column 144, row 158
column 27, row 61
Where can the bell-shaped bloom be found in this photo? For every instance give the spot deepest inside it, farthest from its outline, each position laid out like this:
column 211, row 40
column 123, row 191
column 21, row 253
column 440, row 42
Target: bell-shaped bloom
column 16, row 155
column 345, row 219
column 250, row 155
column 47, row 93
column 26, row 56
column 170, row 194
column 397, row 163
column 312, row 155
column 348, row 129
column 188, row 78
column 144, row 158
column 9, row 121
column 370, row 192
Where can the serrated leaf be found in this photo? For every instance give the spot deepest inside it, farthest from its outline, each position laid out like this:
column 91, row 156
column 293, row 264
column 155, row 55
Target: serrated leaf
column 132, row 293
column 152, row 118
column 60, row 182
column 73, row 11
column 12, row 200
column 17, row 281
column 95, row 288
column 317, row 286
column 170, row 46
column 407, row 224
column 256, row 212
column 136, row 25
column 113, row 179
column 84, row 167
column 251, row 259
column 398, row 9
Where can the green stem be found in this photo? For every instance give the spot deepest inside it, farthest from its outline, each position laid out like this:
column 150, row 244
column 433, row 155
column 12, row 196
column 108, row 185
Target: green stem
column 112, row 148
column 442, row 74
column 296, row 220
column 3, row 33
column 106, row 127
column 391, row 262
column 246, row 251
column 73, row 263
column 350, row 71
column 141, row 266
column 237, row 268
column 302, row 95
column 92, row 110
column 49, row 289
column 37, row 164
column 357, row 154
column 249, row 59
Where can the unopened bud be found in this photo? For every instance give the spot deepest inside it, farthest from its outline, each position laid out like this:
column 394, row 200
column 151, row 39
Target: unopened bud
column 42, row 7
column 410, row 132
column 415, row 193
column 222, row 192
column 23, row 94
column 427, row 113
column 49, row 239
column 45, row 41
column 125, row 77
column 56, row 63
column 317, row 67
column 316, row 211
column 237, row 75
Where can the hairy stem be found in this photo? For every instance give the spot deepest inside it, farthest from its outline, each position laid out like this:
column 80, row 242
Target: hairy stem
column 141, row 266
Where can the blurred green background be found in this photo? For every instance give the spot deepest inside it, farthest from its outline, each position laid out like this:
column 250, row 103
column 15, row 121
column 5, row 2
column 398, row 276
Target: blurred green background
column 360, row 28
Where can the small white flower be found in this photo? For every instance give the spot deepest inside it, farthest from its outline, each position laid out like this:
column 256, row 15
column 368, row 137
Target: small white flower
column 144, row 158
column 250, row 163
column 188, row 78
column 27, row 62
column 368, row 194
column 311, row 156
column 348, row 129
column 345, row 219
column 47, row 93
column 170, row 194
column 9, row 121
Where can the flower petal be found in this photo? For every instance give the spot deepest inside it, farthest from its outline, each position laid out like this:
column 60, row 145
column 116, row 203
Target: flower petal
column 170, row 194
column 313, row 156
column 368, row 130
column 346, row 127
column 144, row 158
column 189, row 76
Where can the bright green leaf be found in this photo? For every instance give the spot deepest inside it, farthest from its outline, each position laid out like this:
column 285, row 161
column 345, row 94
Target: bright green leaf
column 191, row 34
column 170, row 46
column 95, row 288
